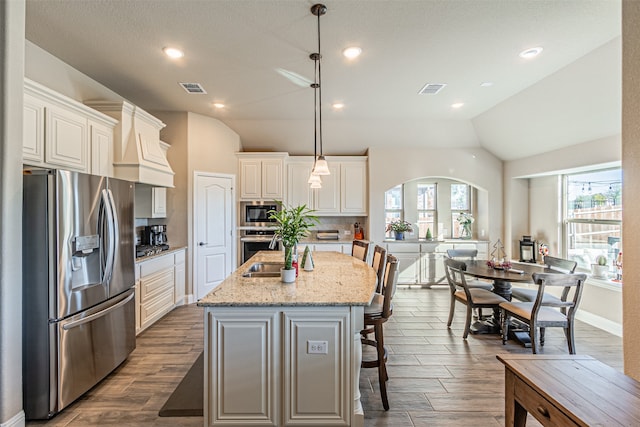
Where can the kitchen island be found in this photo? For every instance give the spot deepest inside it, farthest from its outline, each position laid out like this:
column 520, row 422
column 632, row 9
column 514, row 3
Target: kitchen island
column 287, row 354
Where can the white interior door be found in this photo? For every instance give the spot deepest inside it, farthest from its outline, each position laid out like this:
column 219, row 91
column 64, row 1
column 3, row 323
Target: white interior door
column 213, row 230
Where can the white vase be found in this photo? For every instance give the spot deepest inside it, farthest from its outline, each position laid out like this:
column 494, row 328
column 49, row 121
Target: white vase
column 599, row 271
column 287, row 276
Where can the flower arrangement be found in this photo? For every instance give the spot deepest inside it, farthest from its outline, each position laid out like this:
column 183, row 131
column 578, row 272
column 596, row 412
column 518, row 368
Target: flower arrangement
column 543, row 249
column 399, row 226
column 499, row 265
column 465, row 219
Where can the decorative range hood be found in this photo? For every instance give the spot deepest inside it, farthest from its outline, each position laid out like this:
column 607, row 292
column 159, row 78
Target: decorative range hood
column 138, row 153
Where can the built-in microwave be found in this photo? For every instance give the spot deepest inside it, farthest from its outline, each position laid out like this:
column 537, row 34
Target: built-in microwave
column 257, row 213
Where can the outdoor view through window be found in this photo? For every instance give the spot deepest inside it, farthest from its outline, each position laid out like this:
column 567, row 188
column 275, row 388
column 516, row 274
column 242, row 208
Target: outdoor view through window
column 593, row 218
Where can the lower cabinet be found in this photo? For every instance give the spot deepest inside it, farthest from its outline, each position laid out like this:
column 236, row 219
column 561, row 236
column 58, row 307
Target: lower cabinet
column 423, row 263
column 160, row 286
column 277, row 366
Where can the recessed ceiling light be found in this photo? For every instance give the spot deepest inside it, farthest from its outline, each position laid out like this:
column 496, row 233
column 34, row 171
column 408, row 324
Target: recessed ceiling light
column 530, row 53
column 172, row 52
column 457, row 105
column 352, row 52
column 486, row 84
column 338, row 105
column 218, row 105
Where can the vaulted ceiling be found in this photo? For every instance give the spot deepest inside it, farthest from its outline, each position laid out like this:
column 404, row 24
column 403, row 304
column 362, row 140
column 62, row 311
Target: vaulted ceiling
column 568, row 94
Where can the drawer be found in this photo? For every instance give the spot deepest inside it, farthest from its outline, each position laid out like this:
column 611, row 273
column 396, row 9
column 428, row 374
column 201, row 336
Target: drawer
column 179, row 257
column 156, row 284
column 155, row 308
column 156, row 264
column 443, row 247
column 403, row 247
column 539, row 407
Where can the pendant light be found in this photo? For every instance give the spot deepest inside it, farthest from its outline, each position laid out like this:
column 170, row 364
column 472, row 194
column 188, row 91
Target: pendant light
column 314, row 179
column 320, row 167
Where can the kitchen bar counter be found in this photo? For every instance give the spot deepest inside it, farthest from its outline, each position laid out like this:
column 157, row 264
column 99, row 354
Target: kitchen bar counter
column 337, row 280
column 281, row 354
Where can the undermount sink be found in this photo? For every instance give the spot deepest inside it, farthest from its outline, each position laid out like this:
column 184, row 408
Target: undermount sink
column 264, row 269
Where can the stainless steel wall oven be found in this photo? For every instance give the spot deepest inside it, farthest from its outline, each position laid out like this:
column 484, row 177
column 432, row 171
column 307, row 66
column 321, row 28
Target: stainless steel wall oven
column 253, row 241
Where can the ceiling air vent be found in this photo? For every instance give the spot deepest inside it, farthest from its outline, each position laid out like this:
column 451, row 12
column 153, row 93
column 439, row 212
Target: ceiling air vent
column 432, row 88
column 193, row 88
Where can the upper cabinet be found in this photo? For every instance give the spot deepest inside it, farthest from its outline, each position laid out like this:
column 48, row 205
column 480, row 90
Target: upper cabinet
column 261, row 176
column 151, row 202
column 60, row 132
column 344, row 192
column 138, row 153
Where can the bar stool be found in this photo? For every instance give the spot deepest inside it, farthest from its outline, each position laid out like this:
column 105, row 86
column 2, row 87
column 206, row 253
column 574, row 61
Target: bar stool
column 360, row 249
column 375, row 315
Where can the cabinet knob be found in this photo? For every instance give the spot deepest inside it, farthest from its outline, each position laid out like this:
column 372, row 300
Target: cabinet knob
column 202, row 243
column 543, row 411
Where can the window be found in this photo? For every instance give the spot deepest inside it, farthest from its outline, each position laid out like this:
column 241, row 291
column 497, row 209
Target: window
column 593, row 216
column 427, row 209
column 393, row 205
column 460, row 202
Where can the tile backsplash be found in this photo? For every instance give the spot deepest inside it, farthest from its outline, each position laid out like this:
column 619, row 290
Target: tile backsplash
column 344, row 224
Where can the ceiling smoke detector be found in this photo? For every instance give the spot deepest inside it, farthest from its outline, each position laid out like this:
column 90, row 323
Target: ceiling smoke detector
column 193, row 88
column 432, row 88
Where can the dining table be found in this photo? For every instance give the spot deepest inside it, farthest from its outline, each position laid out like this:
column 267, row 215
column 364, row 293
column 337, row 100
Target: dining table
column 502, row 278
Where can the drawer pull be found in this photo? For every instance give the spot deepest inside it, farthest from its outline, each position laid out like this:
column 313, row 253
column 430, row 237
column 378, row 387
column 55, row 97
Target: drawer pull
column 543, row 411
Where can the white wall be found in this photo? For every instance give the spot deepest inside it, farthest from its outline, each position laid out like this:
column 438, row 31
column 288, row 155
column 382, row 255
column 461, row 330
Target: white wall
column 389, row 167
column 12, row 18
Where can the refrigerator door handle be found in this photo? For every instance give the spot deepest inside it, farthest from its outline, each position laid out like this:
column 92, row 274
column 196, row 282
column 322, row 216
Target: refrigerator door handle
column 115, row 229
column 76, row 323
column 108, row 264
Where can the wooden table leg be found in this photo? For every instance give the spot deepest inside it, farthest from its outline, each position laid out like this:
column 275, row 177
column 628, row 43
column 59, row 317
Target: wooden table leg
column 514, row 414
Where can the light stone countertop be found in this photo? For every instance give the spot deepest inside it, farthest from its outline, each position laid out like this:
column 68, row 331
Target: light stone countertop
column 337, row 280
column 171, row 250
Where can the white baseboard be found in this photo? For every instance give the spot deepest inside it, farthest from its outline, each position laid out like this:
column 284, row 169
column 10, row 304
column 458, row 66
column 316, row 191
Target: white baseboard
column 16, row 421
column 189, row 299
column 600, row 322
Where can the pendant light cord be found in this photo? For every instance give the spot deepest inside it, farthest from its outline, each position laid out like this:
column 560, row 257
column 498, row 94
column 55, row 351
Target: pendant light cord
column 319, row 85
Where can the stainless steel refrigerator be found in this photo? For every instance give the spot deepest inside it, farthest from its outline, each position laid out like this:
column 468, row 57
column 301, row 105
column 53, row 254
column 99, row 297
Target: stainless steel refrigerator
column 78, row 278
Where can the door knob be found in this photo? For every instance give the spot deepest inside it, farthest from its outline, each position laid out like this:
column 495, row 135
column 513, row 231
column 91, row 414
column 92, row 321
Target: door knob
column 202, row 243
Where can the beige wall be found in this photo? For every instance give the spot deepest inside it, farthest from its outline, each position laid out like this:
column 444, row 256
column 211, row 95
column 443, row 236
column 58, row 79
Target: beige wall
column 631, row 183
column 389, row 167
column 198, row 143
column 12, row 16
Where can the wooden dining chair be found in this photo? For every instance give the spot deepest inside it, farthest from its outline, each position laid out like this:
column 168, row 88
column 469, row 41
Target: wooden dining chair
column 375, row 315
column 360, row 249
column 556, row 264
column 546, row 312
column 378, row 262
column 471, row 297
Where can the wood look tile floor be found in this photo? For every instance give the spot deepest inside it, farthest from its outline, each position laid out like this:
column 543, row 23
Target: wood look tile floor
column 435, row 377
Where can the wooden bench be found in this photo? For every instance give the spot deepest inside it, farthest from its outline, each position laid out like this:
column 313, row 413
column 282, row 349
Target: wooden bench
column 568, row 390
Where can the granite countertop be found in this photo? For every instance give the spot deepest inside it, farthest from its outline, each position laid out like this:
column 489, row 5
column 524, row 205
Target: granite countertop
column 163, row 253
column 337, row 280
column 389, row 240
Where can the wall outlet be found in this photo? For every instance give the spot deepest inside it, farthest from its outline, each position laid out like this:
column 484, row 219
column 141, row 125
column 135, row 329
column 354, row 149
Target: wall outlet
column 317, row 347
column 347, row 232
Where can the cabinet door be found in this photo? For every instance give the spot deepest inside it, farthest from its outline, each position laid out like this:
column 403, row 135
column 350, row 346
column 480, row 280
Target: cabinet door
column 353, row 187
column 298, row 191
column 101, row 149
column 66, row 139
column 158, row 202
column 432, row 269
column 409, row 264
column 329, row 247
column 179, row 290
column 33, row 131
column 327, row 198
column 244, row 374
column 250, row 179
column 314, row 380
column 272, row 179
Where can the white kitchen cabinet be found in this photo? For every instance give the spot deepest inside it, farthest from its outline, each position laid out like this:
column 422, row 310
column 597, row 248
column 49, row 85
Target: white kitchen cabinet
column 60, row 132
column 289, row 386
column 101, row 138
column 180, row 282
column 261, row 176
column 343, row 192
column 343, row 248
column 353, row 187
column 150, row 202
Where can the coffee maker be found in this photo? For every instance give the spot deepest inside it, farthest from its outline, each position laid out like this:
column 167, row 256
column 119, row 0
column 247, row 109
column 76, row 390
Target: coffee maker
column 155, row 235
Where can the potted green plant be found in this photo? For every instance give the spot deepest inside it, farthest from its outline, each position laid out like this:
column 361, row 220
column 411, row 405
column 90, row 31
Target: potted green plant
column 292, row 224
column 600, row 269
column 399, row 227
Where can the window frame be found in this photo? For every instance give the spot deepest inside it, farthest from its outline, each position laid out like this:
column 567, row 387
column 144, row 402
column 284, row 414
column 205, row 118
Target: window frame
column 455, row 226
column 434, row 211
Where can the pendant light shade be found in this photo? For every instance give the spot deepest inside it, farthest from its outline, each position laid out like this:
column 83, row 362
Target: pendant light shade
column 314, row 179
column 322, row 167
column 315, row 185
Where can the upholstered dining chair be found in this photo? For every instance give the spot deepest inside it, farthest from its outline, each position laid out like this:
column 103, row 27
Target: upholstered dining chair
column 556, row 264
column 461, row 292
column 375, row 315
column 360, row 249
column 378, row 261
column 544, row 312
